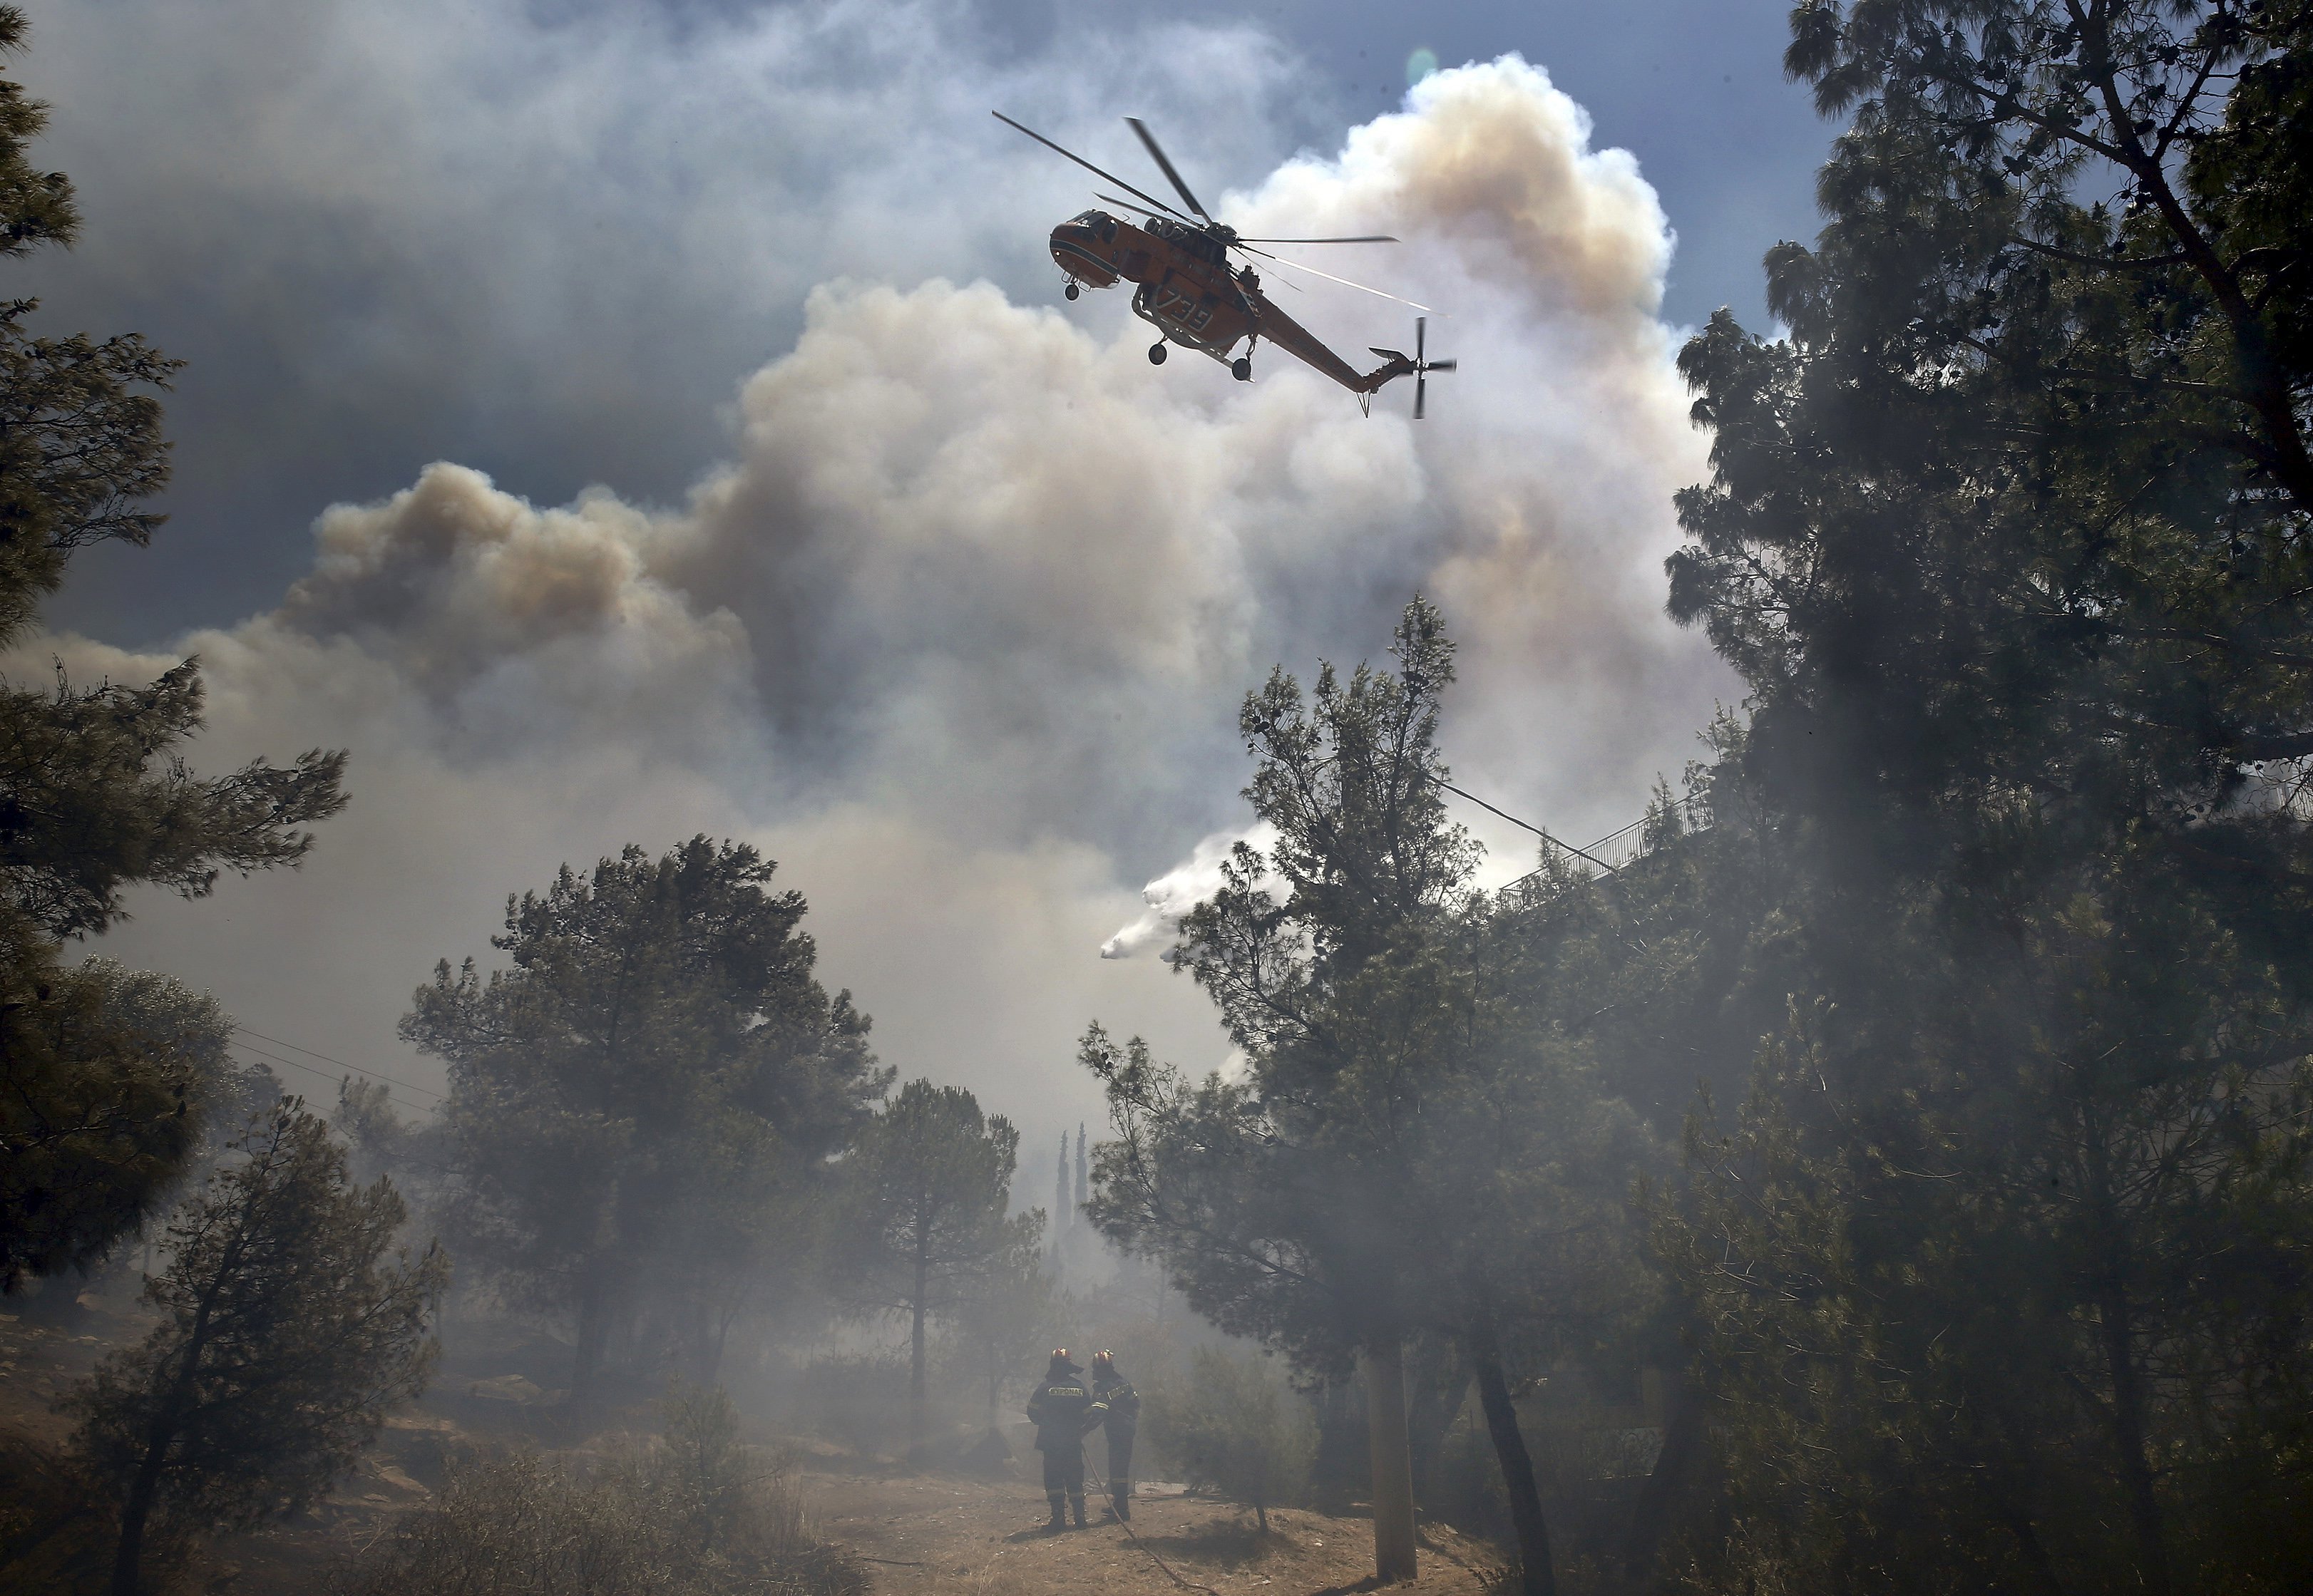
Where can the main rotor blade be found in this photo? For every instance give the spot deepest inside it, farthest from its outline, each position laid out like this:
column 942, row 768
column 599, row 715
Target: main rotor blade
column 1363, row 238
column 1161, row 206
column 1128, row 205
column 1157, row 150
column 1330, row 277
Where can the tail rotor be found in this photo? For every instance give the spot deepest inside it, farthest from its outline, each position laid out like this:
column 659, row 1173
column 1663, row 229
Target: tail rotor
column 1423, row 368
column 1420, row 365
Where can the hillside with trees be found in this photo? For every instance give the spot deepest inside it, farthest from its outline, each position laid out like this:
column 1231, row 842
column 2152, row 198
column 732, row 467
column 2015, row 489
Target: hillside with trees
column 1983, row 934
column 1889, row 1173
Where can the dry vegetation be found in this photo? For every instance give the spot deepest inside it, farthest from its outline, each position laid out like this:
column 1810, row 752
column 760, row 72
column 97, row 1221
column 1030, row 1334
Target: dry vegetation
column 465, row 1494
column 525, row 1524
column 942, row 1534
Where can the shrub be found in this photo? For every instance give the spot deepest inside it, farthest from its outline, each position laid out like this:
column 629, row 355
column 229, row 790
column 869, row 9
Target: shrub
column 693, row 1515
column 857, row 1400
column 1236, row 1428
column 59, row 1526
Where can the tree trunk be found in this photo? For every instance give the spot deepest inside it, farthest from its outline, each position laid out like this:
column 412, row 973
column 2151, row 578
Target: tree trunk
column 1538, row 1576
column 593, row 1332
column 2018, row 1522
column 2118, row 1330
column 1392, row 1462
column 2128, row 1423
column 1683, row 1439
column 718, row 1336
column 916, row 1358
column 128, row 1558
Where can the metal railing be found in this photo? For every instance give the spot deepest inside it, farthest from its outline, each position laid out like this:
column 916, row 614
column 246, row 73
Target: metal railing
column 1618, row 849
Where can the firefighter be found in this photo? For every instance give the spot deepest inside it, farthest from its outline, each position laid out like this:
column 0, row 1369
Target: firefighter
column 1123, row 1403
column 1063, row 1409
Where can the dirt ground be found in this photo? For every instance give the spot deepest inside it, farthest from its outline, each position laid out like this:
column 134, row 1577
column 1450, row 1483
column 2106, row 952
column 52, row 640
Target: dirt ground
column 934, row 1533
column 938, row 1535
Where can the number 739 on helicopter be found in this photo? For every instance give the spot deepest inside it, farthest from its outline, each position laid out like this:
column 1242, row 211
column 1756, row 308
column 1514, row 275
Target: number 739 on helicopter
column 1186, row 287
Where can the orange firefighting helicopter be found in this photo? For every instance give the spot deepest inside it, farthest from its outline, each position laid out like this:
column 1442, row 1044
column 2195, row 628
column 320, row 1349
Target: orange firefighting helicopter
column 1189, row 292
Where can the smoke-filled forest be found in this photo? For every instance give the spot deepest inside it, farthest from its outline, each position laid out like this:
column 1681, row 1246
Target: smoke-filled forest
column 447, row 1140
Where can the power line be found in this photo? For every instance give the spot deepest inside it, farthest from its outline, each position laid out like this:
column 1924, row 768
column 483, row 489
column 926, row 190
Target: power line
column 260, row 1053
column 1528, row 825
column 341, row 1063
column 397, row 1157
column 1677, row 805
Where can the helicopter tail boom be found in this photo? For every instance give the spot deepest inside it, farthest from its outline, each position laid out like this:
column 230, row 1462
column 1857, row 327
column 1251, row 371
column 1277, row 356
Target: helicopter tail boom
column 1374, row 380
column 1304, row 345
column 1419, row 366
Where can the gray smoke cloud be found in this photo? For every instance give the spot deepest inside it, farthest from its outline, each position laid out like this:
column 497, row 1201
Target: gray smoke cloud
column 958, row 629
column 543, row 239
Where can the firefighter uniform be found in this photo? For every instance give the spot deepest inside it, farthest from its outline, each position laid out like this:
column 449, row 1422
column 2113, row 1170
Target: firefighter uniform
column 1123, row 1420
column 1063, row 1408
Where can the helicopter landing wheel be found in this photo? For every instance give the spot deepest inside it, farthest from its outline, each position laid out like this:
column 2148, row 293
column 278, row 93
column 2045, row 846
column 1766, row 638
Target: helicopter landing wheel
column 1156, row 354
column 1071, row 290
column 1241, row 368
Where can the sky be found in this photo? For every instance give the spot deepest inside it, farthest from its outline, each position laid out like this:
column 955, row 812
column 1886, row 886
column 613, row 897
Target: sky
column 614, row 422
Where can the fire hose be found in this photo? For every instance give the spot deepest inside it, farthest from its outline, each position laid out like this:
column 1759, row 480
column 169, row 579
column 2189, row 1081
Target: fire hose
column 1126, row 1525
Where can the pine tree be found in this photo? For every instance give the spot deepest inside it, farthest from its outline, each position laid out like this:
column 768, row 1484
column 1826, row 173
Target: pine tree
column 632, row 1098
column 94, row 796
column 925, row 1233
column 289, row 1327
column 1994, row 1269
column 1006, row 1311
column 1416, row 1146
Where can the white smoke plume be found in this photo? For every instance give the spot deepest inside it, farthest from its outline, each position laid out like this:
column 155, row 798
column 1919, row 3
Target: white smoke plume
column 958, row 630
column 1171, row 896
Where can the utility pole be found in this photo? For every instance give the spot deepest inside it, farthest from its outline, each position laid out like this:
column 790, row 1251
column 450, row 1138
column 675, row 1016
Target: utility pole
column 1384, row 1372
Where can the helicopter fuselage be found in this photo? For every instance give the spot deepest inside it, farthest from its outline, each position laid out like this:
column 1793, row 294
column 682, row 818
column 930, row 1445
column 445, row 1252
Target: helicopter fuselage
column 1185, row 289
